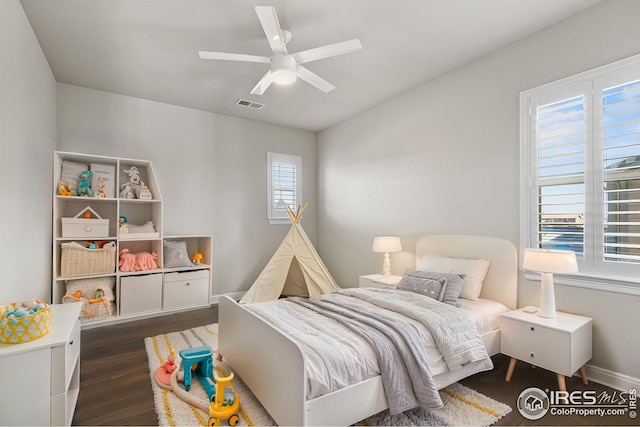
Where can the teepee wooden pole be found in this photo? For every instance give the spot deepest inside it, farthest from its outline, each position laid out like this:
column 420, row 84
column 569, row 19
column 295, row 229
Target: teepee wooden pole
column 290, row 213
column 302, row 211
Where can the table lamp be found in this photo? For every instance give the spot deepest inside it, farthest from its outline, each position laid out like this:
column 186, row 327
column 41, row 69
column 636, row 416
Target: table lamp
column 386, row 245
column 547, row 262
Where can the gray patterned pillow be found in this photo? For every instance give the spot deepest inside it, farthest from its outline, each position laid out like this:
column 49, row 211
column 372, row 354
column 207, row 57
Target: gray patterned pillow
column 452, row 284
column 421, row 283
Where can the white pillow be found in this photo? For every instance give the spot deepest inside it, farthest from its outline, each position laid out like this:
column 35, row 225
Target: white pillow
column 474, row 271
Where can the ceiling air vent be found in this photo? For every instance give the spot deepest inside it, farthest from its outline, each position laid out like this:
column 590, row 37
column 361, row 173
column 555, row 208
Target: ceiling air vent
column 249, row 104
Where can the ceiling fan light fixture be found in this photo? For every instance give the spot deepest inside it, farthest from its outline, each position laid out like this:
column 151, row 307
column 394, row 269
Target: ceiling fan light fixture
column 283, row 76
column 283, row 69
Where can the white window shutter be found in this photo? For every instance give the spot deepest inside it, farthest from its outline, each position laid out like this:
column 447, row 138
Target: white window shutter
column 284, row 186
column 580, row 161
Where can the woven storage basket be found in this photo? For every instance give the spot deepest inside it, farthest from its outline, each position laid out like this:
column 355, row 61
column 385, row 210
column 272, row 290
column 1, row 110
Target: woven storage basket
column 79, row 261
column 16, row 330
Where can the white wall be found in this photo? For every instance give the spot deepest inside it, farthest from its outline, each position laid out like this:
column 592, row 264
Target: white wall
column 27, row 139
column 444, row 158
column 211, row 170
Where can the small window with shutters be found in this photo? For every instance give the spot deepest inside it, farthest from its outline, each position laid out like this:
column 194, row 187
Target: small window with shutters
column 284, row 186
column 580, row 162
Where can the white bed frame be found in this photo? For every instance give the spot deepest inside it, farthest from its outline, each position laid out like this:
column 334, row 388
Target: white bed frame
column 273, row 366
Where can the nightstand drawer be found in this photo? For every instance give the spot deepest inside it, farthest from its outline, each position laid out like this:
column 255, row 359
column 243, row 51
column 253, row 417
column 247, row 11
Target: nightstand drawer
column 538, row 345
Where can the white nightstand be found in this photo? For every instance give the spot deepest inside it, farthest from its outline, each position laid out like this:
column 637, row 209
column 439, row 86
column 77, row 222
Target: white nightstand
column 379, row 281
column 562, row 344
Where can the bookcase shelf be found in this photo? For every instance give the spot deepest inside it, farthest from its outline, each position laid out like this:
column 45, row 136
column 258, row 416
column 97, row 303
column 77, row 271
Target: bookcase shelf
column 137, row 293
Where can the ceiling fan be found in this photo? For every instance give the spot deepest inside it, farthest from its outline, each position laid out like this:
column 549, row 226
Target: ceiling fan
column 285, row 67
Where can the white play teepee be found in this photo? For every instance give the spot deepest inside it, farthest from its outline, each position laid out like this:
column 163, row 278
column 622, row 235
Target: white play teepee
column 294, row 270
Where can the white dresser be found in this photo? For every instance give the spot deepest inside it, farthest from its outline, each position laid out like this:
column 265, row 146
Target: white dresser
column 41, row 378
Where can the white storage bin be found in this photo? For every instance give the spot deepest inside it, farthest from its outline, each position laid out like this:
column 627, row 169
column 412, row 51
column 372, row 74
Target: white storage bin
column 186, row 289
column 140, row 294
column 85, row 228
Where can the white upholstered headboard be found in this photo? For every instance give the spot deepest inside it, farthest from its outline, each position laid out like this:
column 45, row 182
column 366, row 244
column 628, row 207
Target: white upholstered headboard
column 501, row 282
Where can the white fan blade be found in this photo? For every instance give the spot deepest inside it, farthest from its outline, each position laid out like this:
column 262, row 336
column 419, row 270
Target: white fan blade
column 314, row 80
column 269, row 20
column 263, row 84
column 327, row 51
column 233, row 57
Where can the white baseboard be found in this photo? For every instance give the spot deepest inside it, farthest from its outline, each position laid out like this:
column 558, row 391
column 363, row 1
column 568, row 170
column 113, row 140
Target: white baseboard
column 612, row 379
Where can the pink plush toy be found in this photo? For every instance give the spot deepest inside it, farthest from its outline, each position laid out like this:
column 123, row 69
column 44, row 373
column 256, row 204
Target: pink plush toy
column 146, row 261
column 127, row 261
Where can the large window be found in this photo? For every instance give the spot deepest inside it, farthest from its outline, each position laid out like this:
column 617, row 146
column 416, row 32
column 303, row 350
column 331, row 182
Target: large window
column 580, row 142
column 284, row 186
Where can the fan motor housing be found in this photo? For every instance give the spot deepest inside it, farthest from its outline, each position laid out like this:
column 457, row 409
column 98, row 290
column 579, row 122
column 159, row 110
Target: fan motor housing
column 283, row 69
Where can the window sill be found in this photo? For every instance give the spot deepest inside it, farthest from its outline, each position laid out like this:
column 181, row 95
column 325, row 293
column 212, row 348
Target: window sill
column 282, row 221
column 619, row 285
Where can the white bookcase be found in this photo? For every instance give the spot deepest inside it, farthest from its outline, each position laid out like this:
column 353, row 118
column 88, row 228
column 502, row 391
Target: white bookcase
column 140, row 293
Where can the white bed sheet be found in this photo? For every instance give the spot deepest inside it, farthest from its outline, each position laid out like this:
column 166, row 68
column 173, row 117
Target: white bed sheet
column 484, row 313
column 354, row 359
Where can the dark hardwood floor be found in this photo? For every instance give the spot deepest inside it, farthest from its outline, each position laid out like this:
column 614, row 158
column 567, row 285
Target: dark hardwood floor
column 115, row 387
column 492, row 384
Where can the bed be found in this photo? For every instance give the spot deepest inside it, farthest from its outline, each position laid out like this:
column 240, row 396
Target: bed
column 273, row 365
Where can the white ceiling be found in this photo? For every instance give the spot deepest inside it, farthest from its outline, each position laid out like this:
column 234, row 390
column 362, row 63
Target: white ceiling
column 149, row 48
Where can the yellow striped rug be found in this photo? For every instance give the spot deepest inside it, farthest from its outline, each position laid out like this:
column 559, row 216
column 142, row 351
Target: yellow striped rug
column 462, row 406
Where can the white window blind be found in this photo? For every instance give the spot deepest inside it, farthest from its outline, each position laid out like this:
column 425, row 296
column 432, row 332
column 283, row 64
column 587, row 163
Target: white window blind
column 621, row 172
column 560, row 146
column 580, row 165
column 284, row 185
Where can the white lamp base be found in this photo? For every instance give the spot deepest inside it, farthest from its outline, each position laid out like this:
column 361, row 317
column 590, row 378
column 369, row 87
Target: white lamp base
column 386, row 266
column 547, row 297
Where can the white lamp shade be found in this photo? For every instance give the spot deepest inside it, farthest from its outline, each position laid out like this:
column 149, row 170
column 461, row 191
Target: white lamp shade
column 550, row 261
column 387, row 244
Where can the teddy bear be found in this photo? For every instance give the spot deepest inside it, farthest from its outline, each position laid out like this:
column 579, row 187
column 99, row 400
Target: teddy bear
column 131, row 189
column 84, row 186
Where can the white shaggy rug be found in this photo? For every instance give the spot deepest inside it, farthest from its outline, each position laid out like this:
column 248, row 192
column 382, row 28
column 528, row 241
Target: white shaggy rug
column 462, row 406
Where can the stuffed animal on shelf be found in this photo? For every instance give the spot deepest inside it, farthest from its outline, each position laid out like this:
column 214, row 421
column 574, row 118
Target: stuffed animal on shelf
column 64, row 190
column 84, row 186
column 146, row 261
column 137, row 262
column 126, row 261
column 196, row 258
column 100, row 191
column 131, row 189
